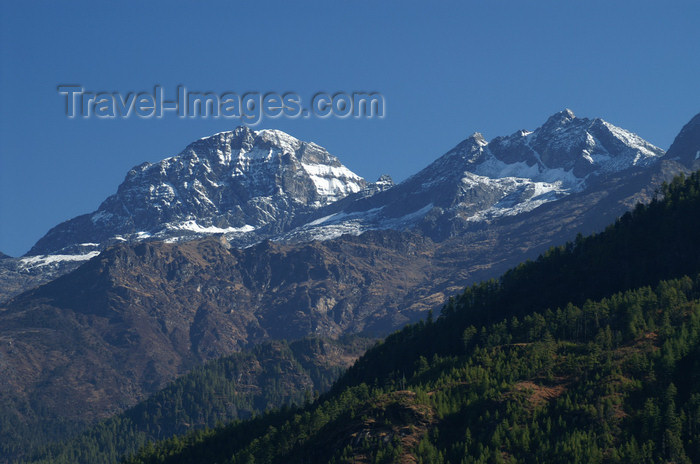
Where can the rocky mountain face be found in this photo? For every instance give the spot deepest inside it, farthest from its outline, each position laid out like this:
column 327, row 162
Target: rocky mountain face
column 242, row 183
column 101, row 337
column 249, row 185
column 686, row 147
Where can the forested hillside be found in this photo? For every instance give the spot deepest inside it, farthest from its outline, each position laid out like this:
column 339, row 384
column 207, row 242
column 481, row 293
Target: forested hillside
column 588, row 354
column 235, row 387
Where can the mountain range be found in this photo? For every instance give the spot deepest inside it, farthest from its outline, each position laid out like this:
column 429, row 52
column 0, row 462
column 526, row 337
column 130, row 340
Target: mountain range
column 600, row 336
column 589, row 354
column 256, row 185
column 266, row 185
column 248, row 236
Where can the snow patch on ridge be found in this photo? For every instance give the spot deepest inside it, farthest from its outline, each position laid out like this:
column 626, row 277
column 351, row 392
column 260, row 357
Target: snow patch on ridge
column 193, row 226
column 334, row 182
column 354, row 223
column 517, row 195
column 632, row 140
column 33, row 262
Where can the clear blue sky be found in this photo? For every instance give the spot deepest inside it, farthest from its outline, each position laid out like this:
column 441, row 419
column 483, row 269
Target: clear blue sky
column 446, row 70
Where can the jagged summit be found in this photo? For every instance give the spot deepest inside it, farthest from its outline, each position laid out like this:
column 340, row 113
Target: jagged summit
column 560, row 118
column 385, row 179
column 478, row 138
column 576, row 147
column 565, row 149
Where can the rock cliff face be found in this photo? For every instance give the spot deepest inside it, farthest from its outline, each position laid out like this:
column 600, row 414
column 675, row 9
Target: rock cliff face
column 139, row 315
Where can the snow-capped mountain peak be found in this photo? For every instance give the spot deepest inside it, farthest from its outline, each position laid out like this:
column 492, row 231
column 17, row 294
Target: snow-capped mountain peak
column 479, row 181
column 232, row 182
column 571, row 148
